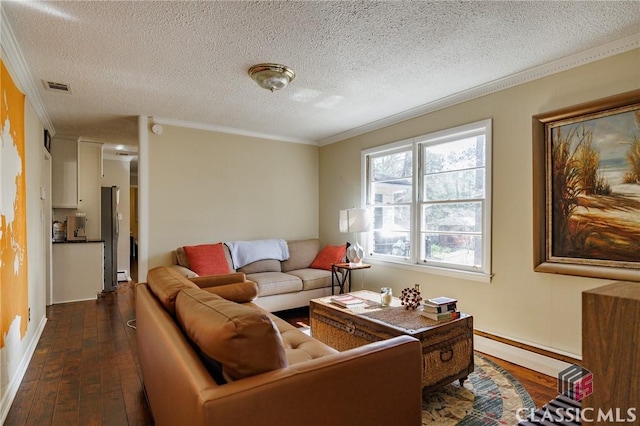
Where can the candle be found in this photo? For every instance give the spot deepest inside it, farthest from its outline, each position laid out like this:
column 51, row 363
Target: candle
column 385, row 296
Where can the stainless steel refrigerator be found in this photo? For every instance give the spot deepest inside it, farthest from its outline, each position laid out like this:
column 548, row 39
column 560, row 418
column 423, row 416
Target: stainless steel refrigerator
column 110, row 230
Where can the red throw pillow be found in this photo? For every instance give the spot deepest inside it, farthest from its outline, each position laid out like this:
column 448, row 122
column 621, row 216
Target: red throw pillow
column 207, row 259
column 327, row 256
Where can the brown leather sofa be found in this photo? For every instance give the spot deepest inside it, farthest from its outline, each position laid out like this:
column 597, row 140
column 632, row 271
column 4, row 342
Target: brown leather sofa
column 275, row 374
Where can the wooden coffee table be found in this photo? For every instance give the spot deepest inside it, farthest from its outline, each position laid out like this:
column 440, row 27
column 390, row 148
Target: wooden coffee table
column 447, row 346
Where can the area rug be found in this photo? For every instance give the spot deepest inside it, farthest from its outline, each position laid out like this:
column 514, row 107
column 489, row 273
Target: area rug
column 490, row 396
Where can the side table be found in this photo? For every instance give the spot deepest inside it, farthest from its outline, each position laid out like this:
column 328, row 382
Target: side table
column 344, row 282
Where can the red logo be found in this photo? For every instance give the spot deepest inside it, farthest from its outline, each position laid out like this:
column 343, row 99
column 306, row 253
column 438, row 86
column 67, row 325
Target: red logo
column 575, row 382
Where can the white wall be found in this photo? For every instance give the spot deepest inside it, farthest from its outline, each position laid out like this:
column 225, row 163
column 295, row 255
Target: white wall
column 16, row 354
column 540, row 309
column 116, row 173
column 206, row 187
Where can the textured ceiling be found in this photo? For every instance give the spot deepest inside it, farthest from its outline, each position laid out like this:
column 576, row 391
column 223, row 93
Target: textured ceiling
column 356, row 62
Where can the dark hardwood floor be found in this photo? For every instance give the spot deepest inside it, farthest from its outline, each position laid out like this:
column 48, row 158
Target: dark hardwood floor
column 85, row 368
column 541, row 387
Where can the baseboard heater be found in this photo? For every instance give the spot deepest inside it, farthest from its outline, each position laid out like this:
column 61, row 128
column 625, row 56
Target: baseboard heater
column 123, row 276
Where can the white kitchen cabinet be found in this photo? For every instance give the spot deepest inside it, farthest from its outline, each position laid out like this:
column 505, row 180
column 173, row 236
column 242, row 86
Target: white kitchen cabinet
column 89, row 182
column 64, row 173
column 78, row 271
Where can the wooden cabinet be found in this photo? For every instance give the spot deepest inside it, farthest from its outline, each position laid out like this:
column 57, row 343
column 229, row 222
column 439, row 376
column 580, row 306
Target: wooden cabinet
column 64, row 173
column 89, row 183
column 611, row 350
column 76, row 180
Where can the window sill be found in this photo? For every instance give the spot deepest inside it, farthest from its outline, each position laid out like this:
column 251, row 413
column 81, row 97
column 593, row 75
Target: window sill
column 464, row 275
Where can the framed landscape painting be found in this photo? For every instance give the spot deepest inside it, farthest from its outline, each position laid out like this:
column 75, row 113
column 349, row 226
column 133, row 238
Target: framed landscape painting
column 586, row 189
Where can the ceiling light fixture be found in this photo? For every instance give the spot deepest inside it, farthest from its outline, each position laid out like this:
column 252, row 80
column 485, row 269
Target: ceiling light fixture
column 272, row 76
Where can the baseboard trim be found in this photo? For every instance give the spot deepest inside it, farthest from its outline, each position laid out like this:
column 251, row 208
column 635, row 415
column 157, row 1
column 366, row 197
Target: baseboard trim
column 14, row 384
column 528, row 356
column 568, row 358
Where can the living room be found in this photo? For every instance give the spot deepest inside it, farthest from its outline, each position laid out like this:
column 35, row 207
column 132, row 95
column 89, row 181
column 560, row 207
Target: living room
column 313, row 185
column 201, row 185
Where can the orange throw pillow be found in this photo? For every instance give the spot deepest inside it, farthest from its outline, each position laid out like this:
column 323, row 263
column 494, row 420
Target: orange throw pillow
column 207, row 259
column 327, row 256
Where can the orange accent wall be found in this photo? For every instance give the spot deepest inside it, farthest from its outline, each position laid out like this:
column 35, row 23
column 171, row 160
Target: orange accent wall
column 13, row 209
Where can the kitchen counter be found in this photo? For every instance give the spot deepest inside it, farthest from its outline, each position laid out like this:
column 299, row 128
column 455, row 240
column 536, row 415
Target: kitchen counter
column 78, row 242
column 78, row 270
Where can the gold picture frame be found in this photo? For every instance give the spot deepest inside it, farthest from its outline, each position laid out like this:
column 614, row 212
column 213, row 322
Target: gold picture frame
column 586, row 189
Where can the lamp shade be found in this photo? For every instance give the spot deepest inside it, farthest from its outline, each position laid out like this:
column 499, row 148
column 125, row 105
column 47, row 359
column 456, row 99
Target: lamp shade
column 355, row 220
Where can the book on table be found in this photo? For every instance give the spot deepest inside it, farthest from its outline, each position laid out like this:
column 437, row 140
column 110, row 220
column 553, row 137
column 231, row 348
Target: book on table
column 442, row 300
column 347, row 300
column 439, row 309
column 440, row 316
column 439, row 305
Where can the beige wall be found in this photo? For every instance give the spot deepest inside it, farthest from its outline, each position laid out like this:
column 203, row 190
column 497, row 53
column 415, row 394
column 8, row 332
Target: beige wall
column 536, row 308
column 206, row 187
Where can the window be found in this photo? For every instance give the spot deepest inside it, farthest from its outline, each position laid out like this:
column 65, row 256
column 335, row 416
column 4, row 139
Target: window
column 431, row 199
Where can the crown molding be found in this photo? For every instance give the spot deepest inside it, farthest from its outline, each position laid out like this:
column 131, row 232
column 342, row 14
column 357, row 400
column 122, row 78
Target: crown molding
column 16, row 64
column 572, row 61
column 67, row 137
column 86, row 141
column 14, row 61
column 116, row 157
column 230, row 130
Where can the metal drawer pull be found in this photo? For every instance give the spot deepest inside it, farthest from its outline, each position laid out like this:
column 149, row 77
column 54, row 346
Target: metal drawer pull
column 448, row 353
column 351, row 327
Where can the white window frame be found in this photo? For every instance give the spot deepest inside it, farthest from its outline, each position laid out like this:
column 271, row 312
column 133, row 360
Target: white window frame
column 481, row 273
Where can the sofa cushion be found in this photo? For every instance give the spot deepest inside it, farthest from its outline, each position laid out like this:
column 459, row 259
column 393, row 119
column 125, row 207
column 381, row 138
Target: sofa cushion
column 165, row 283
column 275, row 283
column 298, row 346
column 301, row 254
column 267, row 265
column 207, row 259
column 184, row 271
column 238, row 292
column 313, row 278
column 181, row 257
column 213, row 367
column 243, row 339
column 328, row 256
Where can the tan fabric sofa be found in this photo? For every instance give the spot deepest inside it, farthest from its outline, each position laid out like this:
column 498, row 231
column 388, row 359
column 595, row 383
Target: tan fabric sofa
column 310, row 384
column 282, row 285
